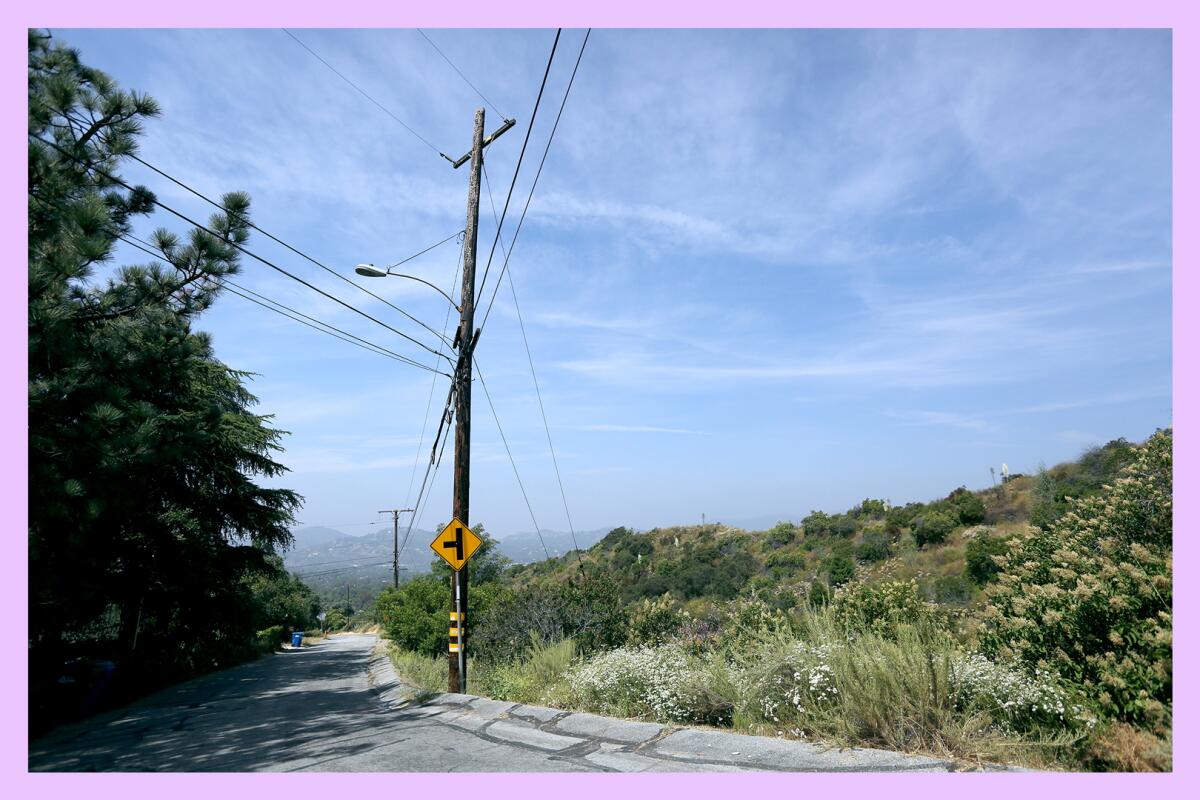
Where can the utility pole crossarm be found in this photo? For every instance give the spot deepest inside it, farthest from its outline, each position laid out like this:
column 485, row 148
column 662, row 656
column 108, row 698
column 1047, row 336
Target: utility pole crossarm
column 508, row 123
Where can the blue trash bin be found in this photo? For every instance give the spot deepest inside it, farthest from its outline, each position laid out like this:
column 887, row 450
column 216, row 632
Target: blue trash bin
column 297, row 638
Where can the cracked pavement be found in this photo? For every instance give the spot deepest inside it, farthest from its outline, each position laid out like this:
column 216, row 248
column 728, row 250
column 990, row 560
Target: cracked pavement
column 337, row 706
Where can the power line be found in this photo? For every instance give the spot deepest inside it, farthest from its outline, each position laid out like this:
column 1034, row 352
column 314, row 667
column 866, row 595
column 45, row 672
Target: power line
column 511, row 460
column 339, row 561
column 443, row 422
column 338, row 571
column 286, row 311
column 291, row 313
column 363, row 92
column 242, row 249
column 507, row 252
column 426, row 250
column 529, row 355
column 432, row 388
column 528, row 199
column 461, row 75
column 520, row 158
column 301, row 253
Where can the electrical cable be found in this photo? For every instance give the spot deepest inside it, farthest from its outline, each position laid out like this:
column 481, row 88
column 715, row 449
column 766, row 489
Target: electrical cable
column 520, row 158
column 244, row 250
column 287, row 311
column 511, row 460
column 299, row 252
column 461, row 75
column 432, row 387
column 363, row 92
column 528, row 199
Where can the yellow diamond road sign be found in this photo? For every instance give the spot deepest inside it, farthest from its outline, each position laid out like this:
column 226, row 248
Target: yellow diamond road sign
column 456, row 543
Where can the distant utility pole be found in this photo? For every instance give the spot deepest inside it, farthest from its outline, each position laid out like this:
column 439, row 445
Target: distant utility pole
column 395, row 512
column 465, row 341
column 348, row 611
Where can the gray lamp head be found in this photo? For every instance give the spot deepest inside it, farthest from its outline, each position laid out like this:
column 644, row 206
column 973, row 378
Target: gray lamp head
column 370, row 271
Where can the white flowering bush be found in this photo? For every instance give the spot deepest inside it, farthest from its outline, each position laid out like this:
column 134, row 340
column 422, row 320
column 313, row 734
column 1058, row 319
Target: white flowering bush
column 795, row 683
column 1016, row 700
column 1089, row 598
column 634, row 682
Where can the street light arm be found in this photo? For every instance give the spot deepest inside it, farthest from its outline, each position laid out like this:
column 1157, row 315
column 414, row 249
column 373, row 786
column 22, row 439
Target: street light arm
column 430, row 285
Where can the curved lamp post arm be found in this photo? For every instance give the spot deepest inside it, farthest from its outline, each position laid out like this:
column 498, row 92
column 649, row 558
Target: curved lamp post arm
column 430, row 285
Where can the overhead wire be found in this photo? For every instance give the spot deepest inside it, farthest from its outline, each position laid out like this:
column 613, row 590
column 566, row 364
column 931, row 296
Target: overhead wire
column 343, row 569
column 364, row 93
column 432, row 388
column 443, row 422
column 513, row 242
column 507, row 253
column 246, row 251
column 511, row 460
column 299, row 252
column 284, row 310
column 340, row 561
column 235, row 288
column 461, row 75
column 520, row 158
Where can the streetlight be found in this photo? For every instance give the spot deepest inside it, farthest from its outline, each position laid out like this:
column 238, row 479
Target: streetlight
column 372, row 271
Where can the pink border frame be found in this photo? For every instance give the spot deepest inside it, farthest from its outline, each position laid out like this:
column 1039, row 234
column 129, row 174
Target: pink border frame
column 1179, row 15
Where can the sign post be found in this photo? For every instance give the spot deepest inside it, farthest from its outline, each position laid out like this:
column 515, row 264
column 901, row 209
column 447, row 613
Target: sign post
column 456, row 544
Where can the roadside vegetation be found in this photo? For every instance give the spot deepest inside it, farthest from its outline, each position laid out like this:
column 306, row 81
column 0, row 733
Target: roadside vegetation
column 152, row 550
column 953, row 627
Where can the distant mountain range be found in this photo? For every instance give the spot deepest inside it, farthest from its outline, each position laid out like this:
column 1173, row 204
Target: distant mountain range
column 328, row 559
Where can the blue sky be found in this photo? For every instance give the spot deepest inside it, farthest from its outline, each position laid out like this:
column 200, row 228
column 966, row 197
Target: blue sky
column 763, row 272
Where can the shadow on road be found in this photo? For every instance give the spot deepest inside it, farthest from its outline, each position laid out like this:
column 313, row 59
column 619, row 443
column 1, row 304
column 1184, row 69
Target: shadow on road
column 283, row 711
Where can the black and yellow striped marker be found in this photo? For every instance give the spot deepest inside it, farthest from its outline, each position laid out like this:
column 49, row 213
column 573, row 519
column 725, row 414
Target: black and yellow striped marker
column 455, row 635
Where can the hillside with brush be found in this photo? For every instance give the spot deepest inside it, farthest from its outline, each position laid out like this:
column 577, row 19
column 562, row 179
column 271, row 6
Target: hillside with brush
column 1028, row 622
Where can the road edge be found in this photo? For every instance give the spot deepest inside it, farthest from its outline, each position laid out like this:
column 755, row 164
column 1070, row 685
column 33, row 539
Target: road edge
column 629, row 745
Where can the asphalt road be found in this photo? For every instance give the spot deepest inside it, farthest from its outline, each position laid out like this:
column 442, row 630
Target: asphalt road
column 331, row 707
column 308, row 709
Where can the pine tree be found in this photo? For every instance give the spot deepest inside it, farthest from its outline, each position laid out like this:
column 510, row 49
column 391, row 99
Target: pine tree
column 144, row 517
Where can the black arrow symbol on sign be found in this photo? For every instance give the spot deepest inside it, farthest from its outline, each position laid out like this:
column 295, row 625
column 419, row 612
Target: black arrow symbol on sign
column 457, row 544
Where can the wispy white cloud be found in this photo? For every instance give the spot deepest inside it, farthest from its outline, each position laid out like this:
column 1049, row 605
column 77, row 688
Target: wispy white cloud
column 633, row 429
column 941, row 418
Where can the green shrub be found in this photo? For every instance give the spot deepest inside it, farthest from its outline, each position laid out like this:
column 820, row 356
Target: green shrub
column 785, row 562
column 653, row 622
column 911, row 690
column 845, row 525
column 878, row 607
column 534, row 679
column 415, row 615
column 269, row 639
column 952, row 589
column 968, row 506
column 981, row 567
column 933, row 528
column 419, row 669
column 840, row 569
column 872, row 509
column 783, row 533
column 818, row 595
column 874, row 547
column 1090, row 597
column 818, row 523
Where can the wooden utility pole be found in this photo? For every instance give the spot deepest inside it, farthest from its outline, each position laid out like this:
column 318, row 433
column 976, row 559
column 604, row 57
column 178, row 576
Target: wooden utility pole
column 465, row 341
column 395, row 512
column 459, row 580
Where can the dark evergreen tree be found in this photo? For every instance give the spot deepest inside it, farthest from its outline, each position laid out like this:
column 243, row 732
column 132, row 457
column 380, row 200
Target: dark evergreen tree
column 144, row 517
